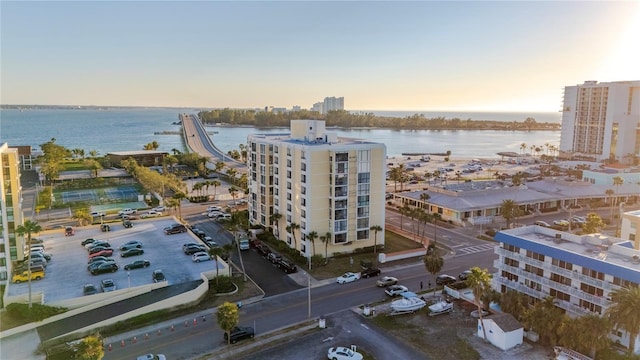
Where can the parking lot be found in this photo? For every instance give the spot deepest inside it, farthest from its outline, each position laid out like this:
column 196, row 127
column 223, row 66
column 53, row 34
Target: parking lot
column 66, row 272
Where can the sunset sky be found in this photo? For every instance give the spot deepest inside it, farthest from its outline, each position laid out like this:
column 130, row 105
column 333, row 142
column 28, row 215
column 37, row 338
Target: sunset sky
column 464, row 56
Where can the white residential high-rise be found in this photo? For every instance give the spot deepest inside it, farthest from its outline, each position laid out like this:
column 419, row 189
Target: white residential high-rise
column 333, row 103
column 322, row 184
column 601, row 120
column 11, row 245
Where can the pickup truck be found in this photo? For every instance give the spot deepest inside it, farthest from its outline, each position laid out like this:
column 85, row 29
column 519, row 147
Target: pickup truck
column 127, row 211
column 24, row 276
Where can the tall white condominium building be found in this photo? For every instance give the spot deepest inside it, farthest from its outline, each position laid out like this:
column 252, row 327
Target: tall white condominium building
column 332, row 103
column 11, row 245
column 311, row 181
column 579, row 271
column 600, row 120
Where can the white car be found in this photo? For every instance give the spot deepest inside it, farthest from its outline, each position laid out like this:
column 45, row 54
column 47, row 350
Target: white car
column 343, row 353
column 159, row 209
column 387, row 281
column 97, row 214
column 395, row 290
column 348, row 277
column 200, row 256
column 127, row 211
column 562, row 222
column 214, row 208
column 214, row 214
column 150, row 214
column 152, row 357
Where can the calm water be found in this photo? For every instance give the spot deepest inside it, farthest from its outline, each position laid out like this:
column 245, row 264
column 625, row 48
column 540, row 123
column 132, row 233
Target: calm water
column 130, row 129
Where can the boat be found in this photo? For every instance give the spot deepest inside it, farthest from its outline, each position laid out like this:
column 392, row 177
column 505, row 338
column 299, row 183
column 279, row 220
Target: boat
column 440, row 307
column 563, row 353
column 410, row 304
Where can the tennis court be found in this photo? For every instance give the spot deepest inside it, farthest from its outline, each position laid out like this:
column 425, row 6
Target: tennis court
column 122, row 193
column 79, row 196
column 110, row 195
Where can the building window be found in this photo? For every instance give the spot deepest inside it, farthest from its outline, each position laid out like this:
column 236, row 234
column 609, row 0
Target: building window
column 559, row 294
column 363, row 235
column 303, row 178
column 340, row 238
column 560, row 279
column 534, row 255
column 511, row 248
column 364, row 178
column 592, row 273
column 363, row 223
column 591, row 289
column 562, row 264
column 303, row 166
column 533, row 285
column 534, row 270
column 509, row 276
column 288, row 163
column 511, row 262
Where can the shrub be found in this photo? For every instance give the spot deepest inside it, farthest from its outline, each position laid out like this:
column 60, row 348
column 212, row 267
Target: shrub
column 38, row 312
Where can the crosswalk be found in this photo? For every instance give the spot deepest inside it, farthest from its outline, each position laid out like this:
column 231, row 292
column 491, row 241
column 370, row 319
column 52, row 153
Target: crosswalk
column 474, row 249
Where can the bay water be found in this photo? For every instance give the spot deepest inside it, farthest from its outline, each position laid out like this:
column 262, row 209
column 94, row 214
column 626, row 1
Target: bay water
column 129, row 129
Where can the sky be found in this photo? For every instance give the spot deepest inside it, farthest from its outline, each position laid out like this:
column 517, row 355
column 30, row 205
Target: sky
column 420, row 55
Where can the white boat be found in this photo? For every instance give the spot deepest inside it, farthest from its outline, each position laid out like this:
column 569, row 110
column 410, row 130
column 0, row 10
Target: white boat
column 440, row 307
column 408, row 305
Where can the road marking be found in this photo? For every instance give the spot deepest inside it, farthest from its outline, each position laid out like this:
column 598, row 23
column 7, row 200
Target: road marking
column 328, row 339
column 475, row 249
column 364, row 326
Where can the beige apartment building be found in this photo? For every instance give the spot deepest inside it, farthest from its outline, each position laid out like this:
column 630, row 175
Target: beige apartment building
column 320, row 183
column 601, row 120
column 11, row 245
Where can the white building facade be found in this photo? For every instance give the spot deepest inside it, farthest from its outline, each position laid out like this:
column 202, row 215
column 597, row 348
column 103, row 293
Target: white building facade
column 333, row 187
column 579, row 271
column 11, row 245
column 600, row 120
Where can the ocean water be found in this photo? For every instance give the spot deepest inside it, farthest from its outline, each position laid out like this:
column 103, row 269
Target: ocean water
column 130, row 129
column 541, row 117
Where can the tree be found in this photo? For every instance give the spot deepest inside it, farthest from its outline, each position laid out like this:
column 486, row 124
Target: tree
column 396, row 174
column 624, row 313
column 609, row 193
column 219, row 166
column 152, row 146
column 375, row 229
column 326, row 239
column 312, row 236
column 433, row 262
column 509, row 211
column 593, row 224
column 83, row 216
column 215, row 184
column 274, row 219
column 216, row 252
column 228, row 317
column 292, row 229
column 178, row 197
column 514, row 303
column 28, row 228
column 405, row 210
column 90, row 348
column 479, row 281
column 586, row 334
column 545, row 319
column 233, row 191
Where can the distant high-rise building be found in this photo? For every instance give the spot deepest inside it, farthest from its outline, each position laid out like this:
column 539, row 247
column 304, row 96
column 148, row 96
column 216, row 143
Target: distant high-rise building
column 333, row 187
column 333, row 103
column 601, row 120
column 296, row 108
column 11, row 245
column 319, row 107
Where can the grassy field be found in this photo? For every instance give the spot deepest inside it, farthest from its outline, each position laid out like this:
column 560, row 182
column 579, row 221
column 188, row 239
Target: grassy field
column 339, row 265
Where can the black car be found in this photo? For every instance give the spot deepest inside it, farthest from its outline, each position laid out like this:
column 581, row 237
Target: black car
column 127, row 223
column 97, row 249
column 369, row 272
column 175, row 229
column 100, row 258
column 87, row 241
column 286, row 266
column 274, row 257
column 194, row 249
column 263, row 250
column 199, row 233
column 132, row 252
column 138, row 264
column 158, row 276
column 89, row 289
column 445, row 279
column 104, row 268
column 464, row 275
column 105, row 227
column 239, row 333
column 95, row 264
column 23, row 267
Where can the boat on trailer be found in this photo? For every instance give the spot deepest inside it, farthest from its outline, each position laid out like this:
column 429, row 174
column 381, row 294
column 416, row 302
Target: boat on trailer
column 440, row 307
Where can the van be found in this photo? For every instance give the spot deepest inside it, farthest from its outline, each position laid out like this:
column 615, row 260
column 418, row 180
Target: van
column 24, row 276
column 244, row 244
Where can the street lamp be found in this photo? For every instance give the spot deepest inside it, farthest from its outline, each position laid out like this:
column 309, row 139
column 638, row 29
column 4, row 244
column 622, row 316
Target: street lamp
column 129, row 278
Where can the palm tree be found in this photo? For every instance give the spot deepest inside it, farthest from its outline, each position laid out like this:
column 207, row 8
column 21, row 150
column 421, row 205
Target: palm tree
column 433, row 263
column 514, row 303
column 215, row 184
column 233, row 191
column 326, row 239
column 480, row 283
column 523, row 147
column 178, row 197
column 312, row 236
column 509, row 211
column 90, row 348
column 292, row 229
column 375, row 229
column 274, row 219
column 29, row 227
column 216, row 252
column 609, row 193
column 624, row 313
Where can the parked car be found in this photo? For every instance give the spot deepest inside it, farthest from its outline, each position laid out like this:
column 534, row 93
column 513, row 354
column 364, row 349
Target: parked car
column 286, row 266
column 239, row 333
column 343, row 353
column 108, row 285
column 263, row 250
column 87, row 241
column 348, row 277
column 131, row 244
column 395, row 290
column 194, row 249
column 159, row 209
column 158, row 276
column 104, row 268
column 96, row 249
column 200, row 256
column 199, row 233
column 561, row 222
column 127, row 211
column 209, row 242
column 105, row 252
column 39, row 253
column 214, row 208
column 138, row 264
column 132, row 252
column 127, row 223
column 464, row 275
column 175, row 229
column 100, row 258
column 105, row 227
column 150, row 214
column 38, row 261
column 445, row 279
column 95, row 264
column 151, row 357
column 97, row 243
column 224, row 217
column 274, row 257
column 23, row 267
column 24, row 276
column 542, row 223
column 69, row 231
column 89, row 289
column 386, row 281
column 366, row 273
column 97, row 214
